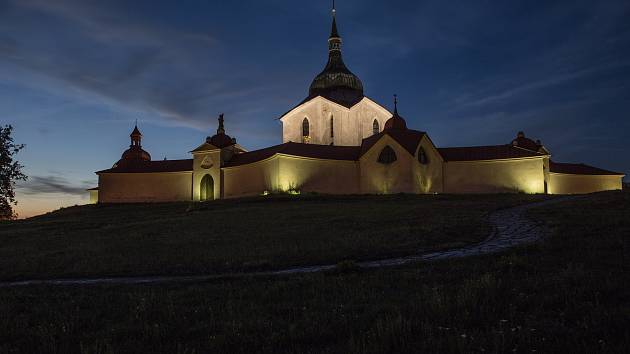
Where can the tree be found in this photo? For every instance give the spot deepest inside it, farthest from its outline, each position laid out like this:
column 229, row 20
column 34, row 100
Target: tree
column 10, row 172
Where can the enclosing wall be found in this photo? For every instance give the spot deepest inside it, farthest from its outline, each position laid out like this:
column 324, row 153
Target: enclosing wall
column 581, row 184
column 252, row 179
column 496, row 176
column 144, row 187
column 322, row 176
column 282, row 173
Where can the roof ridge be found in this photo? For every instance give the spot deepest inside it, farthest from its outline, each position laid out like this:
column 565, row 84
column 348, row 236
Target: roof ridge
column 477, row 146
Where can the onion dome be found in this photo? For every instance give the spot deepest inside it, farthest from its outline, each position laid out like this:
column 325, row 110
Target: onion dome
column 135, row 151
column 220, row 139
column 396, row 122
column 336, row 81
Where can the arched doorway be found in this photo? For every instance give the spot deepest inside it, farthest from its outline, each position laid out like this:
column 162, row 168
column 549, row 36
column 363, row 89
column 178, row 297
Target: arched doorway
column 206, row 190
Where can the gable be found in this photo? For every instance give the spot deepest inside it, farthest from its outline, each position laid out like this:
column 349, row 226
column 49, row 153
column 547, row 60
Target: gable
column 399, row 141
column 406, row 139
column 204, row 147
column 426, row 141
column 304, row 105
column 365, row 101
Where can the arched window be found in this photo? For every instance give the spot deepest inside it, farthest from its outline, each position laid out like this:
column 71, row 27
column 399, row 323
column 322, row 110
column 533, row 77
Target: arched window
column 375, row 127
column 332, row 127
column 422, row 156
column 206, row 188
column 387, row 155
column 306, row 131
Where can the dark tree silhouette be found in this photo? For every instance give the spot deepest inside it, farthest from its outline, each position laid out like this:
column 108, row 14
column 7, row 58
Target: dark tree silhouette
column 10, row 172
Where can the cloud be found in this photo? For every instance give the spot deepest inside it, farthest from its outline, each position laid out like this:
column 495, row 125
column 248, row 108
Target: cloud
column 104, row 22
column 523, row 88
column 95, row 49
column 53, row 185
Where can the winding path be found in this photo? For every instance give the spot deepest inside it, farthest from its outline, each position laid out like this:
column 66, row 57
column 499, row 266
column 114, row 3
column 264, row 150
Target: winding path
column 511, row 227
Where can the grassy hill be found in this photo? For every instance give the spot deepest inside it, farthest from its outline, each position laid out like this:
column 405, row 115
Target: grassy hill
column 569, row 293
column 239, row 235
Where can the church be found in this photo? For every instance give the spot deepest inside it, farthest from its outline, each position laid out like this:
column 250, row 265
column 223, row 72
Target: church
column 339, row 141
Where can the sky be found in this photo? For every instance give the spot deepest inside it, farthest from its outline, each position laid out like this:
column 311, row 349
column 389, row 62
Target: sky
column 76, row 74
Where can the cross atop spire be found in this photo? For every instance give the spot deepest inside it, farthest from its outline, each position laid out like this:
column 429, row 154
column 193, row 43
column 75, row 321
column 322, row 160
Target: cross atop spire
column 395, row 104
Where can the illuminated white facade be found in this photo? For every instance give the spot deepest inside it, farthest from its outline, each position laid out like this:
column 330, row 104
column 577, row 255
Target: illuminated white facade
column 330, row 123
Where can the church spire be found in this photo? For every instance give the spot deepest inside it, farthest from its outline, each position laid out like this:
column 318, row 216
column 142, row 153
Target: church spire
column 333, row 32
column 336, row 81
column 334, row 41
column 136, row 136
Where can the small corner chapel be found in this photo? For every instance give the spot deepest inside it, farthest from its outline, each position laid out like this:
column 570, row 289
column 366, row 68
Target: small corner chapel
column 338, row 141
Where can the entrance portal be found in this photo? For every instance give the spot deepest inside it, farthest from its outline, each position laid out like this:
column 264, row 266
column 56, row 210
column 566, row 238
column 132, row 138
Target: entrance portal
column 206, row 191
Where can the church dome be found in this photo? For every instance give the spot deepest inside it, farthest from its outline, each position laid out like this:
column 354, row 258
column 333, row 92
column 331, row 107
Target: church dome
column 135, row 153
column 396, row 122
column 220, row 140
column 336, row 81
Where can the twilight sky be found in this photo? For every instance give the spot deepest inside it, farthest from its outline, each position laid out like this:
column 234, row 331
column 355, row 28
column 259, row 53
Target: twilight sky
column 75, row 74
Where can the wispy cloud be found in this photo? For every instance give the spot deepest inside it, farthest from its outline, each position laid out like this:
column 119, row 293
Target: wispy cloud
column 95, row 49
column 516, row 91
column 102, row 21
column 53, row 185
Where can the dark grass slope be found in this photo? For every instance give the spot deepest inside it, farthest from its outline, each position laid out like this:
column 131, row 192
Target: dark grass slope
column 239, row 235
column 569, row 294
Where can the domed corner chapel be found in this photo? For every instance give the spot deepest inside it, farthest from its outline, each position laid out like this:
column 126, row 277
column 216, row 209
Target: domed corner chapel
column 338, row 141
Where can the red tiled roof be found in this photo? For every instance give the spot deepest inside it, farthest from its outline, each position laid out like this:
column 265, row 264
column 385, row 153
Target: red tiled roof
column 579, row 169
column 151, row 166
column 409, row 139
column 327, row 152
column 494, row 152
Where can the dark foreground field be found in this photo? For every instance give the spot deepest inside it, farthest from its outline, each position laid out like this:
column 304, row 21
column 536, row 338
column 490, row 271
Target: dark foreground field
column 239, row 235
column 570, row 293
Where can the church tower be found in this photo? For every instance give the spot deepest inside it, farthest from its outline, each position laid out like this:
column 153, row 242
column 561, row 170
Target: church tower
column 336, row 111
column 135, row 154
column 336, row 82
